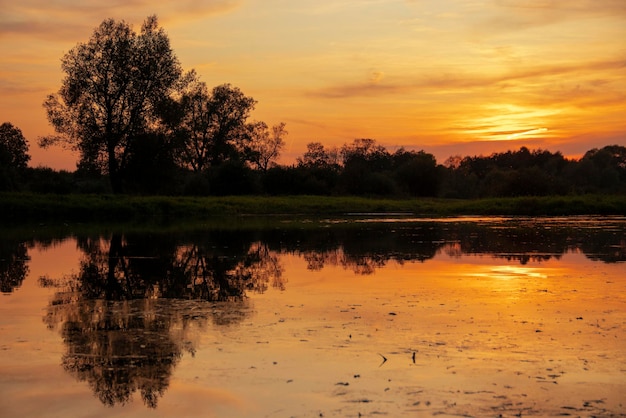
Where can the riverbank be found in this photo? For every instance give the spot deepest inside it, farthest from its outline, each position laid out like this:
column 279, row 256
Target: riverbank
column 20, row 208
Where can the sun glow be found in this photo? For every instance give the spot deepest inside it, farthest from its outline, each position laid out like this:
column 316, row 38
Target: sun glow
column 509, row 122
column 527, row 133
column 512, row 272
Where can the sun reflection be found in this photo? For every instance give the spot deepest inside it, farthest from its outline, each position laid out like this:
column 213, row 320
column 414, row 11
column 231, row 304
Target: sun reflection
column 511, row 272
column 511, row 280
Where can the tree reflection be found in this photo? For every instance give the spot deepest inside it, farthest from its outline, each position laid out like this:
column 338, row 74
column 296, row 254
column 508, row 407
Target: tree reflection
column 539, row 240
column 130, row 312
column 119, row 347
column 137, row 301
column 13, row 267
column 364, row 247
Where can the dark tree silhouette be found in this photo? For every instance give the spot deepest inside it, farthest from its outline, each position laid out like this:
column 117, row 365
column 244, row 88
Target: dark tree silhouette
column 110, row 93
column 603, row 170
column 317, row 156
column 265, row 145
column 13, row 156
column 211, row 124
column 512, row 173
column 13, row 147
column 365, row 168
column 416, row 173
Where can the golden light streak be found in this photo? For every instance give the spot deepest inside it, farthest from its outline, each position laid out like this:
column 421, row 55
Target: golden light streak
column 527, row 133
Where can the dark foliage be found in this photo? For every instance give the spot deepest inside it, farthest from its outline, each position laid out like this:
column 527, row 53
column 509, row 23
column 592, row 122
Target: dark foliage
column 151, row 168
column 13, row 157
column 537, row 173
column 300, row 180
column 232, row 178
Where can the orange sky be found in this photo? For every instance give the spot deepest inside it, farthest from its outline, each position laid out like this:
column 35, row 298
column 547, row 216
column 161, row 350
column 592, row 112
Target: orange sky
column 448, row 76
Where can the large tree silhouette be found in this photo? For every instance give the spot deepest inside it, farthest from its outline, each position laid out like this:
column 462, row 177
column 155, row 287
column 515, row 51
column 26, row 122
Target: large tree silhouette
column 112, row 86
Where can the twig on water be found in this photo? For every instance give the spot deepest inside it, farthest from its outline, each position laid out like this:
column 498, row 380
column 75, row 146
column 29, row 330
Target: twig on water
column 384, row 359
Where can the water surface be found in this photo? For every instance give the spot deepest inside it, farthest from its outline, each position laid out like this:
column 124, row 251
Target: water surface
column 371, row 315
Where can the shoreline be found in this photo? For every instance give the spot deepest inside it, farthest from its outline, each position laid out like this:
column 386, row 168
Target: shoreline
column 22, row 208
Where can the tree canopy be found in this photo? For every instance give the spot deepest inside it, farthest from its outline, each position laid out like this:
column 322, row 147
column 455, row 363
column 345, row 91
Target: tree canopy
column 211, row 124
column 13, row 147
column 13, row 156
column 111, row 91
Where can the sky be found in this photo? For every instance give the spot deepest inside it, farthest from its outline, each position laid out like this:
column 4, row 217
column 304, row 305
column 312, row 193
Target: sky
column 450, row 77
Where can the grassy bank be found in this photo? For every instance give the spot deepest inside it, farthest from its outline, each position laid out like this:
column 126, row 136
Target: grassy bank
column 17, row 208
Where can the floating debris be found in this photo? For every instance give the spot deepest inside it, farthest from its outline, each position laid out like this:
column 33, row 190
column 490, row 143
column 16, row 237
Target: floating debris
column 384, row 359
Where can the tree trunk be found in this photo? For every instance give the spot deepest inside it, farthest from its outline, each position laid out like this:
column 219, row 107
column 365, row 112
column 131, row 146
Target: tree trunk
column 114, row 172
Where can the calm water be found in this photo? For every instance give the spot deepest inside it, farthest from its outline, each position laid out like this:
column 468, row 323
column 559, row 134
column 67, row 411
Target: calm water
column 368, row 316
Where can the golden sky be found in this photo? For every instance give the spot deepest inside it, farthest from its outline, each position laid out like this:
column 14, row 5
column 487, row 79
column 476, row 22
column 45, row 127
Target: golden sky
column 464, row 77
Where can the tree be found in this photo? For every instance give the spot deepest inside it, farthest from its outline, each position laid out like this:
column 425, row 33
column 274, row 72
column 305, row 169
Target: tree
column 212, row 124
column 13, row 155
column 111, row 92
column 13, row 147
column 366, row 151
column 365, row 168
column 416, row 172
column 603, row 170
column 317, row 156
column 264, row 146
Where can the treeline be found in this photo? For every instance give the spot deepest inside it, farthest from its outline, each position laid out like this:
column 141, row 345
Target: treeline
column 536, row 173
column 141, row 125
column 361, row 168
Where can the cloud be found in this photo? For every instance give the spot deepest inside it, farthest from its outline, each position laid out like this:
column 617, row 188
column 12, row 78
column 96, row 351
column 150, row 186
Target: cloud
column 586, row 7
column 12, row 88
column 374, row 85
column 444, row 82
column 43, row 30
column 58, row 20
column 512, row 15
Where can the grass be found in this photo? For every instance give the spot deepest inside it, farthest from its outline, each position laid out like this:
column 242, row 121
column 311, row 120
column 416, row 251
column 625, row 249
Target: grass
column 23, row 208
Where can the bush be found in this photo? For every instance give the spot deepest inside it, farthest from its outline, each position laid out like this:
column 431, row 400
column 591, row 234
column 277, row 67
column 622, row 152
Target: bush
column 232, row 178
column 196, row 184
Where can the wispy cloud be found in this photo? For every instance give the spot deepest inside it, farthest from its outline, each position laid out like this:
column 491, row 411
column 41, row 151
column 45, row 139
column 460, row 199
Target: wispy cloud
column 511, row 15
column 41, row 29
column 12, row 88
column 458, row 81
column 59, row 20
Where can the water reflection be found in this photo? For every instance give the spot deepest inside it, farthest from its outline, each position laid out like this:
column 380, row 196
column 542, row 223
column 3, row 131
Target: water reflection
column 118, row 347
column 133, row 307
column 365, row 246
column 13, row 264
column 124, row 318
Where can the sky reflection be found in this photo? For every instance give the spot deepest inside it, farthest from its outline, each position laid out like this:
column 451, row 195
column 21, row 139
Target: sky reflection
column 469, row 319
